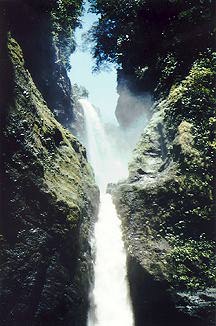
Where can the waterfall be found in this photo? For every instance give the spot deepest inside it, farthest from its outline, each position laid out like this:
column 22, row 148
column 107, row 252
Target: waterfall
column 110, row 304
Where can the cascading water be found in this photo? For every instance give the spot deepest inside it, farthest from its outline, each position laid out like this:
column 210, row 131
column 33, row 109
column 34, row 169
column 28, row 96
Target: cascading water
column 110, row 298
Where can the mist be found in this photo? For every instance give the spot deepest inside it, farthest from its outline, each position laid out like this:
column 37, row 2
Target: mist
column 133, row 113
column 109, row 149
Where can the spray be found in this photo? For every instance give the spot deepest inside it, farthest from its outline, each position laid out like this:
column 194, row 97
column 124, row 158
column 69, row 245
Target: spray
column 110, row 301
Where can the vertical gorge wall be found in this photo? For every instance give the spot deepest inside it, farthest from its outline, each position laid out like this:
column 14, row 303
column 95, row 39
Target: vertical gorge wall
column 167, row 206
column 48, row 195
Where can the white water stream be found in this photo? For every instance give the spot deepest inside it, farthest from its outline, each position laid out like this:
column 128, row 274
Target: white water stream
column 110, row 296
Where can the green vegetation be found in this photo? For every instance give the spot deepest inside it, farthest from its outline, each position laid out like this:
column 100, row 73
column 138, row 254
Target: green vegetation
column 53, row 18
column 194, row 101
column 49, row 203
column 189, row 125
column 57, row 155
column 147, row 39
column 168, row 203
column 65, row 16
column 192, row 263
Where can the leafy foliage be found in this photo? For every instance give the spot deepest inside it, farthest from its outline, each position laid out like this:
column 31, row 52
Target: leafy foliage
column 192, row 263
column 194, row 101
column 150, row 37
column 189, row 122
column 59, row 17
column 65, row 15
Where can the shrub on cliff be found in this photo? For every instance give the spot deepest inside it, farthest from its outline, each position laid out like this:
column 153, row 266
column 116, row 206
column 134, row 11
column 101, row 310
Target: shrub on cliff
column 60, row 17
column 65, row 16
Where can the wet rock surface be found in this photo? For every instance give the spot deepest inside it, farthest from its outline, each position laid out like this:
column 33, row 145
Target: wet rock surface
column 167, row 207
column 49, row 203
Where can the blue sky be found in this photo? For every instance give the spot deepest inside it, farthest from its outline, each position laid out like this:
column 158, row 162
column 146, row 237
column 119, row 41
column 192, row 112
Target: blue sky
column 102, row 85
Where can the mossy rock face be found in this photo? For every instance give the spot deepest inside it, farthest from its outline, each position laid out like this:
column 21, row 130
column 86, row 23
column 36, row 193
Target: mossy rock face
column 167, row 205
column 32, row 24
column 49, row 207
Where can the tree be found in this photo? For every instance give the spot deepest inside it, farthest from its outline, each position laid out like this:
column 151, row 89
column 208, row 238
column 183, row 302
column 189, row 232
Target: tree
column 65, row 15
column 138, row 36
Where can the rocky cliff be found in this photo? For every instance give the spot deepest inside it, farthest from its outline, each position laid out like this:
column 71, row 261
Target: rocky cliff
column 167, row 206
column 40, row 29
column 134, row 104
column 49, row 203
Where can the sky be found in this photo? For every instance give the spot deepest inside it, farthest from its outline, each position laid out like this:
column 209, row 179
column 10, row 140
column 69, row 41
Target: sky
column 101, row 86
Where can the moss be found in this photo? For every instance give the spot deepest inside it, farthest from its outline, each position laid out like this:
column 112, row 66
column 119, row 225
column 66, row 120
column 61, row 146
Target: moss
column 49, row 205
column 15, row 51
column 194, row 98
column 192, row 263
column 53, row 147
column 169, row 197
